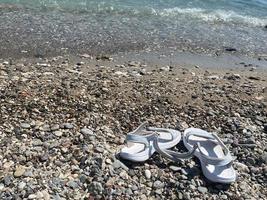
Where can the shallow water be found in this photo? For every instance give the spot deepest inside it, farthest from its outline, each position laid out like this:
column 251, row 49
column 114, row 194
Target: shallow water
column 44, row 26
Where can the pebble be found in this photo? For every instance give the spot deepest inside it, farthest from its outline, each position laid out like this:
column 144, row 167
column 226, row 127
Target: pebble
column 158, row 184
column 147, row 174
column 175, row 168
column 55, row 127
column 25, row 125
column 21, row 185
column 8, row 180
column 96, row 188
column 58, row 133
column 73, row 184
column 264, row 157
column 87, row 131
column 19, row 171
column 202, row 189
column 68, row 126
column 32, row 196
column 241, row 167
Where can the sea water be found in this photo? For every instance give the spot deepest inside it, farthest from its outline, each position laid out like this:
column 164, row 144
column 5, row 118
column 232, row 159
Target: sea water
column 124, row 25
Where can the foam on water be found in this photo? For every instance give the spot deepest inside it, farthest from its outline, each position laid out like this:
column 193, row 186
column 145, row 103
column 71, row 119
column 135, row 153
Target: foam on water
column 213, row 16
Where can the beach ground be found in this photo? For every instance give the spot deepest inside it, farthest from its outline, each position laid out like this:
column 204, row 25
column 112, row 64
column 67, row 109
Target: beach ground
column 64, row 119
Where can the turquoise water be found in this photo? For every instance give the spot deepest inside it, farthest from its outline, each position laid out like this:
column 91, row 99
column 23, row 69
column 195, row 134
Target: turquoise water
column 136, row 24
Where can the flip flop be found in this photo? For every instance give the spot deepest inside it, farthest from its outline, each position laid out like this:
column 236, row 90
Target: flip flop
column 141, row 142
column 216, row 160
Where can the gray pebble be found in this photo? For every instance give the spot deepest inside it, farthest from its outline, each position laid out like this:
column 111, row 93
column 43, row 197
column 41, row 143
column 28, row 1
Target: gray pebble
column 55, row 127
column 73, row 184
column 68, row 126
column 25, row 125
column 87, row 131
column 95, row 188
column 264, row 157
column 202, row 189
column 175, row 168
column 158, row 184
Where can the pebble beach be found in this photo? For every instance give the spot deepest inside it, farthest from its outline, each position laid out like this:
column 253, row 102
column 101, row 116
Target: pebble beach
column 64, row 119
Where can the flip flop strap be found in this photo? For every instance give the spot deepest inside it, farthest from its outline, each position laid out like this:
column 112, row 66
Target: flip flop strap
column 162, row 130
column 137, row 138
column 175, row 156
column 226, row 159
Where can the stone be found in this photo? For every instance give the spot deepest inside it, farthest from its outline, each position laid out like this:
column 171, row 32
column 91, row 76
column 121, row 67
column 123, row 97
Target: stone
column 46, row 195
column 175, row 168
column 118, row 164
column 147, row 174
column 25, row 125
column 58, row 133
column 202, row 189
column 264, row 157
column 37, row 142
column 20, row 170
column 21, row 185
column 7, row 180
column 68, row 126
column 87, row 131
column 28, row 173
column 230, row 49
column 158, row 185
column 55, row 127
column 134, row 64
column 96, row 188
column 213, row 77
column 166, row 68
column 32, row 196
column 73, row 184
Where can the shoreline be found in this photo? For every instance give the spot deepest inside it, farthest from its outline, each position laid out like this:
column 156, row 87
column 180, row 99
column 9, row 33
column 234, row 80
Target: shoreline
column 63, row 120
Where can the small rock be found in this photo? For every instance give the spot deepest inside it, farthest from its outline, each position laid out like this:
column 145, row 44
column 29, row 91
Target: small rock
column 213, row 77
column 55, row 127
column 72, row 184
column 202, row 189
column 68, row 126
column 28, row 173
column 158, row 184
column 134, row 64
column 147, row 174
column 19, row 171
column 96, row 188
column 87, row 131
column 58, row 133
column 117, row 164
column 21, row 185
column 175, row 168
column 242, row 167
column 25, row 125
column 254, row 78
column 86, row 56
column 230, row 49
column 166, row 68
column 264, row 157
column 7, row 180
column 32, row 196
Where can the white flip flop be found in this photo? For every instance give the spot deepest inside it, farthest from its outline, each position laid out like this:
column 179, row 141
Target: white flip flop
column 216, row 160
column 141, row 142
